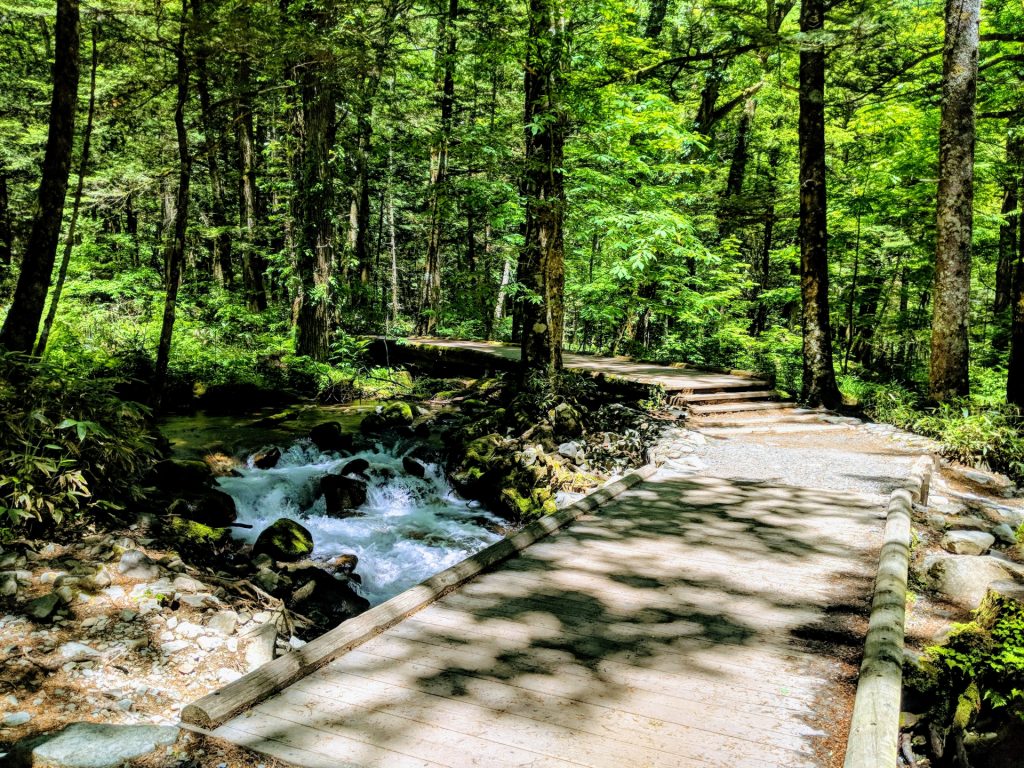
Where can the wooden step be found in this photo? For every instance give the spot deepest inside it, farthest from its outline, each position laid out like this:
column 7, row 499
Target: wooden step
column 722, row 397
column 756, row 418
column 759, row 405
column 772, row 429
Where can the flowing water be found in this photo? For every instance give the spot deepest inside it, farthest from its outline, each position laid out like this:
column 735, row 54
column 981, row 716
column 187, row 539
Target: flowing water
column 408, row 529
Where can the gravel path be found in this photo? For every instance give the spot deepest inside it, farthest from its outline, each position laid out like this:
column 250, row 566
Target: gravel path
column 847, row 460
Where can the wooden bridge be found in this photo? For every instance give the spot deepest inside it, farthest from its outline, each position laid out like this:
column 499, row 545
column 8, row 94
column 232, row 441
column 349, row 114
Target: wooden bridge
column 690, row 621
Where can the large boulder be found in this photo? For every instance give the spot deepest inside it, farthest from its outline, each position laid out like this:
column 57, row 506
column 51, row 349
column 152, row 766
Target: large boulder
column 284, row 540
column 322, row 597
column 179, row 477
column 390, row 416
column 481, row 462
column 266, row 458
column 342, row 495
column 92, row 745
column 968, row 542
column 213, row 508
column 331, row 437
column 964, row 579
column 413, row 467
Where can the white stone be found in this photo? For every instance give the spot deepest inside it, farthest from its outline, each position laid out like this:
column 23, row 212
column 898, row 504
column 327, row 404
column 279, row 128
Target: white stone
column 968, row 542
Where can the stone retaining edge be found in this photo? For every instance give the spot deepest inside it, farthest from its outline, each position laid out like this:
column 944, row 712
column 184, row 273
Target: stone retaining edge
column 216, row 708
column 874, row 727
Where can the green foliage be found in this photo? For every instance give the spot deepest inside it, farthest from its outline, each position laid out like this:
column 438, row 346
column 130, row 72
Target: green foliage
column 68, row 443
column 981, row 664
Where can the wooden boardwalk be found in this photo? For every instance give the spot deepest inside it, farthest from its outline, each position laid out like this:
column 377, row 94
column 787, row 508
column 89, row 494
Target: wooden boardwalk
column 690, row 622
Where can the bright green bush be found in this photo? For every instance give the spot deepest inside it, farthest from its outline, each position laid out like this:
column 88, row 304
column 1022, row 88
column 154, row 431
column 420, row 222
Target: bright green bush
column 68, row 443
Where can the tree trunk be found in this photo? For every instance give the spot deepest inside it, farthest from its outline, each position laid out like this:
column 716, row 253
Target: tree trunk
column 737, row 170
column 393, row 248
column 313, row 204
column 250, row 204
column 542, row 270
column 763, row 268
column 819, row 378
column 948, row 376
column 430, row 300
column 655, row 19
column 83, row 166
column 22, row 322
column 175, row 253
column 1008, row 229
column 6, row 236
column 213, row 136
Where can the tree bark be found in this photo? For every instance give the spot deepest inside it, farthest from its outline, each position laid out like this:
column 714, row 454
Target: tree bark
column 6, row 236
column 175, row 253
column 655, row 19
column 213, row 136
column 251, row 206
column 737, row 171
column 542, row 266
column 430, row 299
column 83, row 166
column 22, row 322
column 950, row 354
column 1008, row 229
column 313, row 203
column 819, row 378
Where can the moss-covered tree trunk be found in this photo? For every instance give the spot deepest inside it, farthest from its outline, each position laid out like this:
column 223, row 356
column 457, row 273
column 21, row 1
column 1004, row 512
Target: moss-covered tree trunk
column 542, row 263
column 948, row 376
column 250, row 207
column 819, row 378
column 22, row 321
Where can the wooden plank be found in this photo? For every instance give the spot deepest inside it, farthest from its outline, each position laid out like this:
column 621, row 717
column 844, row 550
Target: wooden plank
column 545, row 730
column 233, row 698
column 644, row 718
column 311, row 747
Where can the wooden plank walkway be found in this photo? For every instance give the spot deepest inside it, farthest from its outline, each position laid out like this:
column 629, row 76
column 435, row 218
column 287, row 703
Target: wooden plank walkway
column 673, row 379
column 677, row 626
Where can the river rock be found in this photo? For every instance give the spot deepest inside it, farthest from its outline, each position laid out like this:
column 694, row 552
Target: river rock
column 393, row 415
column 566, row 420
column 93, row 745
column 964, row 579
column 355, row 467
column 343, row 563
column 323, row 598
column 330, row 437
column 260, row 645
column 1004, row 534
column 569, row 450
column 284, row 540
column 968, row 542
column 266, row 458
column 213, row 508
column 77, row 652
column 178, row 477
column 342, row 494
column 413, row 467
column 136, row 565
column 42, row 608
column 223, row 622
column 8, row 585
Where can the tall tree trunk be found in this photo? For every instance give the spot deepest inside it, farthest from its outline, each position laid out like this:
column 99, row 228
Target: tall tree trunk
column 393, row 249
column 763, row 268
column 950, row 358
column 313, row 203
column 175, row 253
column 737, row 170
column 22, row 322
column 83, row 166
column 250, row 207
column 213, row 137
column 655, row 19
column 6, row 236
column 542, row 268
column 1008, row 229
column 819, row 378
column 430, row 299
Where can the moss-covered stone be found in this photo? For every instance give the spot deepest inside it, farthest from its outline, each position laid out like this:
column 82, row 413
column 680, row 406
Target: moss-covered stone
column 533, row 504
column 284, row 540
column 189, row 532
column 392, row 415
column 481, row 458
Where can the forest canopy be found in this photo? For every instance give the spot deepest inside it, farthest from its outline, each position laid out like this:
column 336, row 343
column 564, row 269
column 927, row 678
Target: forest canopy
column 190, row 190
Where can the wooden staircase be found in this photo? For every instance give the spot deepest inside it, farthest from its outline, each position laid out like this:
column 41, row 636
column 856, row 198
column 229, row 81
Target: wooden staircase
column 748, row 406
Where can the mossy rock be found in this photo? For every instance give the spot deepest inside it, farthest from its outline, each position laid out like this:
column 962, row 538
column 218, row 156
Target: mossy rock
column 392, row 415
column 537, row 503
column 481, row 460
column 284, row 540
column 191, row 533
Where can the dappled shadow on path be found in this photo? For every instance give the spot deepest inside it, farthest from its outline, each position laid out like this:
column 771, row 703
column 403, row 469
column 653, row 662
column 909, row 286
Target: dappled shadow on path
column 689, row 622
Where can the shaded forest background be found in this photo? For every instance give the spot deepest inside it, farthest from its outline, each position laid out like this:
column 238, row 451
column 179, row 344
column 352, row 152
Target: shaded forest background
column 254, row 185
